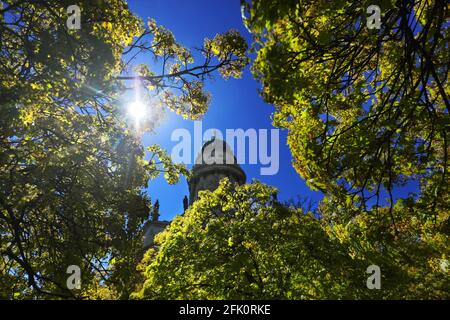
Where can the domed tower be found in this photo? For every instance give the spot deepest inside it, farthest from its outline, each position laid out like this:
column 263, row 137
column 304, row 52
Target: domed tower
column 215, row 162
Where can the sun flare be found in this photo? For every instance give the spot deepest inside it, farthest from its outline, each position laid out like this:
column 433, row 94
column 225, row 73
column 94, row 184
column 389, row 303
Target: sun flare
column 136, row 110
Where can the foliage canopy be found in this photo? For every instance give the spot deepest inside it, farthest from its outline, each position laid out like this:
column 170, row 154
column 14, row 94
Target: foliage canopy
column 72, row 168
column 238, row 242
column 367, row 110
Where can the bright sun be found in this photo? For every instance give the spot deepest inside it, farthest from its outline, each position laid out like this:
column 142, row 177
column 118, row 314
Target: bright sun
column 136, row 110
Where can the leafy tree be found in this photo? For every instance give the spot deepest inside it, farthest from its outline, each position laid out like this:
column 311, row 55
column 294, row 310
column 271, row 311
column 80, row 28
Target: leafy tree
column 236, row 243
column 72, row 168
column 367, row 110
column 412, row 254
column 239, row 243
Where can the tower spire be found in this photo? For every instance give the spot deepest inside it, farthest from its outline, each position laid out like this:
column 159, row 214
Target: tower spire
column 155, row 211
column 185, row 203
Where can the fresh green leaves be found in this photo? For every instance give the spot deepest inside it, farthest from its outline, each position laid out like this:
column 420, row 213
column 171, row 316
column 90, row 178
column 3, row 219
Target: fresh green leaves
column 161, row 162
column 72, row 170
column 365, row 110
column 179, row 84
column 238, row 242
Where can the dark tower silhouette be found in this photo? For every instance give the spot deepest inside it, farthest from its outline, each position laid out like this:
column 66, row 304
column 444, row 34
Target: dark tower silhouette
column 185, row 203
column 155, row 212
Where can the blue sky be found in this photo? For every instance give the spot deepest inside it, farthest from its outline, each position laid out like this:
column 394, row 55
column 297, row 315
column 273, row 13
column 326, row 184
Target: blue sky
column 235, row 102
